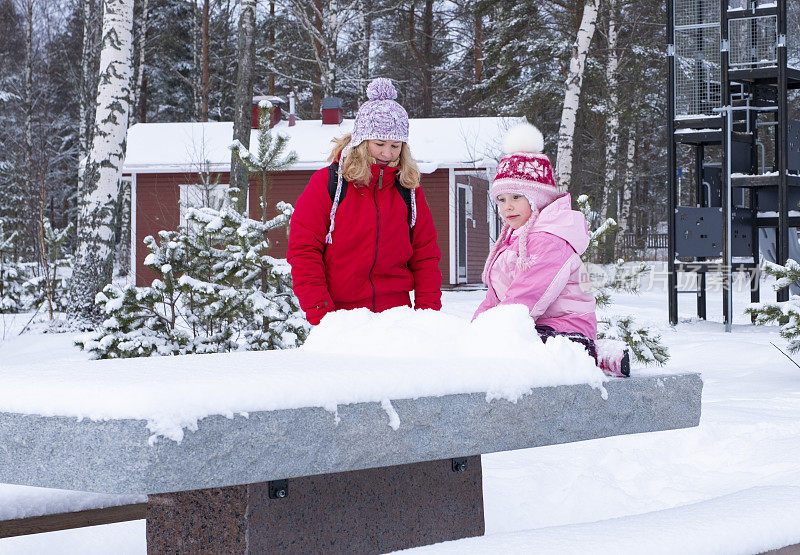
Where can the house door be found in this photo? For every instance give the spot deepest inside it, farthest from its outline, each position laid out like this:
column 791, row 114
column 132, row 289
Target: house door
column 461, row 235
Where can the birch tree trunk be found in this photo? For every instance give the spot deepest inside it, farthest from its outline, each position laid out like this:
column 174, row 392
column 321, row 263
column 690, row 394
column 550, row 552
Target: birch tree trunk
column 124, row 251
column 94, row 254
column 331, row 50
column 28, row 100
column 365, row 30
column 140, row 89
column 83, row 92
column 271, row 39
column 611, row 188
column 627, row 185
column 196, row 69
column 427, row 52
column 87, row 86
column 424, row 58
column 612, row 112
column 244, row 96
column 205, row 75
column 477, row 48
column 314, row 28
column 323, row 21
column 572, row 94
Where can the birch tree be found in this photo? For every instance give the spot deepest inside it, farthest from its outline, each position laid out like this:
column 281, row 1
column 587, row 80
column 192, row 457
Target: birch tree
column 627, row 185
column 424, row 56
column 88, row 83
column 139, row 96
column 94, row 254
column 244, row 97
column 205, row 76
column 365, row 36
column 609, row 203
column 28, row 97
column 323, row 22
column 572, row 93
column 612, row 113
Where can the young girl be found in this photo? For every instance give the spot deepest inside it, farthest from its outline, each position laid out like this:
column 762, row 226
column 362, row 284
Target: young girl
column 536, row 259
column 362, row 234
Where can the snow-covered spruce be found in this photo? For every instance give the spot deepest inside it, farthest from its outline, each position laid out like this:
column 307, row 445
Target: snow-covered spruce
column 785, row 313
column 270, row 155
column 12, row 274
column 25, row 285
column 218, row 291
column 645, row 344
column 52, row 283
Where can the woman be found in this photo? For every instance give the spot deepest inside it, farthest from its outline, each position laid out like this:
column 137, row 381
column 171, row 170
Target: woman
column 362, row 234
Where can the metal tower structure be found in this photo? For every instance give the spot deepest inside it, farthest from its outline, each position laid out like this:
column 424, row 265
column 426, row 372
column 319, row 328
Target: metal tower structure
column 730, row 72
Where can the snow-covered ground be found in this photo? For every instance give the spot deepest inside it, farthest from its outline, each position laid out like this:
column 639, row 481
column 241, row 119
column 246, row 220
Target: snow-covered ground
column 731, row 485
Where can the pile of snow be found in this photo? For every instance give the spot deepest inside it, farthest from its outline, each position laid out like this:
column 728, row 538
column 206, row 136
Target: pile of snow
column 505, row 334
column 352, row 357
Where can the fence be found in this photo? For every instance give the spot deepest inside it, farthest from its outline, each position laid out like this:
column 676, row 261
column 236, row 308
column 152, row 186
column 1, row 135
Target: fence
column 648, row 241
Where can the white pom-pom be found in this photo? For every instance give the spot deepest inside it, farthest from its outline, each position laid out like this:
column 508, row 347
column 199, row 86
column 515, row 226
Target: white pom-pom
column 523, row 138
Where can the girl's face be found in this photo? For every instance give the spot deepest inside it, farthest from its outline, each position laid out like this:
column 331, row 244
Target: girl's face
column 385, row 152
column 514, row 209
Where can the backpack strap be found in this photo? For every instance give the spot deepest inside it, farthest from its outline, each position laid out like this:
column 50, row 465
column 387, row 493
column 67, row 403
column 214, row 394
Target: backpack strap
column 405, row 194
column 333, row 175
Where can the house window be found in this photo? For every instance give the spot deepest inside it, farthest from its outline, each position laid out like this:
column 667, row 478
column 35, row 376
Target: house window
column 198, row 195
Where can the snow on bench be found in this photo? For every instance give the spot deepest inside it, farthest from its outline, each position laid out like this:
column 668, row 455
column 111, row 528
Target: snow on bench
column 399, row 392
column 394, row 388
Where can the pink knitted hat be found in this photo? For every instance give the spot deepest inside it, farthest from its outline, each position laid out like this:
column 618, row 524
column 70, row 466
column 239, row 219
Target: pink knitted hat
column 379, row 118
column 524, row 170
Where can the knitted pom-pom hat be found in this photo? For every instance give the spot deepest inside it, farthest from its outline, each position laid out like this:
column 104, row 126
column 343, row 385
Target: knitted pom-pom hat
column 379, row 118
column 524, row 170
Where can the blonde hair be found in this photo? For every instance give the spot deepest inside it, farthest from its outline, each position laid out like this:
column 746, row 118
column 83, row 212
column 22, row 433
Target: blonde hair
column 356, row 167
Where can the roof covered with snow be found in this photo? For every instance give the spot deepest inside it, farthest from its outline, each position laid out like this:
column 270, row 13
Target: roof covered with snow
column 435, row 143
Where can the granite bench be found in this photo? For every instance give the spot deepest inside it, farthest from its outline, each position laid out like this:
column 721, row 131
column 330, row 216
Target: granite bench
column 371, row 477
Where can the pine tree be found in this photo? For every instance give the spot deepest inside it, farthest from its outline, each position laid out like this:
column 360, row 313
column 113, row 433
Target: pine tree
column 269, row 156
column 645, row 343
column 784, row 313
column 59, row 260
column 12, row 274
column 207, row 298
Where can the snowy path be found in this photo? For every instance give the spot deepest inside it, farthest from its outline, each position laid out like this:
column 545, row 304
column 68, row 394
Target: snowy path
column 729, row 486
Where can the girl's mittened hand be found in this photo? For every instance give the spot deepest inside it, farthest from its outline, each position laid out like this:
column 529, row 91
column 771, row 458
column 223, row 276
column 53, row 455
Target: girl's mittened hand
column 613, row 358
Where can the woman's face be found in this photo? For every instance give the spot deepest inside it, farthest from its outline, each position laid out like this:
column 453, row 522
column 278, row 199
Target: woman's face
column 514, row 209
column 385, row 152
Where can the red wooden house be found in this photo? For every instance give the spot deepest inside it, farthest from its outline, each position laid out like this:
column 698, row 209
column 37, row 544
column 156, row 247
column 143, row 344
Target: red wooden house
column 457, row 157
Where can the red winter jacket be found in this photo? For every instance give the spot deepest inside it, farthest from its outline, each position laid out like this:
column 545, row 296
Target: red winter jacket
column 371, row 262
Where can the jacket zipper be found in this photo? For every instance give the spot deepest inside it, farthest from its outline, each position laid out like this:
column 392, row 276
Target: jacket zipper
column 377, row 233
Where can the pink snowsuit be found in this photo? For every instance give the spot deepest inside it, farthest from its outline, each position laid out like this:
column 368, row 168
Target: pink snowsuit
column 551, row 287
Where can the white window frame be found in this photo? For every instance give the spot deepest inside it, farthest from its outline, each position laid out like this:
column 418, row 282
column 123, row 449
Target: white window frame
column 184, row 197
